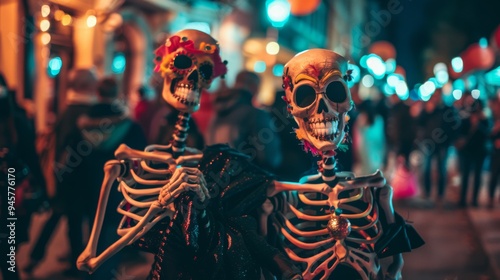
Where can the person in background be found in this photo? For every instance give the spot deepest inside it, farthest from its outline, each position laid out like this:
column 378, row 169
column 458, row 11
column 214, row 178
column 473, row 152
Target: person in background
column 104, row 127
column 242, row 126
column 203, row 116
column 471, row 148
column 495, row 152
column 369, row 144
column 18, row 161
column 295, row 163
column 82, row 86
column 438, row 130
column 401, row 131
column 142, row 108
column 81, row 94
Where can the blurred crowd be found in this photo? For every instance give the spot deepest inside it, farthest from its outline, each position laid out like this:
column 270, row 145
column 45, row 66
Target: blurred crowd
column 61, row 171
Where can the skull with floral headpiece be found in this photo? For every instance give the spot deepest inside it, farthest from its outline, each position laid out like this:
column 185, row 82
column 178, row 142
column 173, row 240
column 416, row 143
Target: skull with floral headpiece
column 315, row 83
column 188, row 62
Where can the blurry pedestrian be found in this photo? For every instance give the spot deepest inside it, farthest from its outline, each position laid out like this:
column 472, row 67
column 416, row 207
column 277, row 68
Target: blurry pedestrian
column 438, row 132
column 102, row 129
column 369, row 143
column 495, row 152
column 142, row 108
column 401, row 131
column 246, row 128
column 295, row 163
column 20, row 164
column 82, row 85
column 471, row 147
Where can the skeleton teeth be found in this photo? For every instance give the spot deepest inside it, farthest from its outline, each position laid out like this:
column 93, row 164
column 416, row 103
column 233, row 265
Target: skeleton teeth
column 185, row 94
column 324, row 129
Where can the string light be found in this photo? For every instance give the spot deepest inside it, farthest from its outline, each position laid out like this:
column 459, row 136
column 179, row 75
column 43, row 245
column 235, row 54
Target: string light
column 44, row 25
column 45, row 38
column 45, row 10
column 91, row 21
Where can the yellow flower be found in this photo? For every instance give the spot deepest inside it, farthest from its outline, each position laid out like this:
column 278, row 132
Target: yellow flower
column 301, row 134
column 207, row 48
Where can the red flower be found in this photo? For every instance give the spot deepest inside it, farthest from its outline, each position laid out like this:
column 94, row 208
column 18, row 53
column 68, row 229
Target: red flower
column 175, row 42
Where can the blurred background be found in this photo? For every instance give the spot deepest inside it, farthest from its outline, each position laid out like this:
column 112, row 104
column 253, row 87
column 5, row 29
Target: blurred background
column 426, row 84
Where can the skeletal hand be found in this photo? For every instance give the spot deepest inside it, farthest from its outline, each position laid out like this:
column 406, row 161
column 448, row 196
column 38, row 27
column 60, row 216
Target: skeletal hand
column 84, row 262
column 394, row 269
column 184, row 179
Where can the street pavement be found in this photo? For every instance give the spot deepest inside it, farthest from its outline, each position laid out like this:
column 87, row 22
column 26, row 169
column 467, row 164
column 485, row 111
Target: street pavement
column 461, row 244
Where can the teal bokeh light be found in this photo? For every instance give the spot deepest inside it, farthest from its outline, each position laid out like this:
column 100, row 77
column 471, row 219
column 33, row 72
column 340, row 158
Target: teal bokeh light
column 54, row 66
column 119, row 63
column 278, row 12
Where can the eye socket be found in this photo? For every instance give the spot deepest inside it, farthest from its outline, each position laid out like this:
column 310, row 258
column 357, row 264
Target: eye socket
column 336, row 92
column 305, row 95
column 182, row 62
column 206, row 71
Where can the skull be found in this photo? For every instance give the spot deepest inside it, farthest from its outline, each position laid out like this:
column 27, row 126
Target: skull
column 318, row 96
column 188, row 62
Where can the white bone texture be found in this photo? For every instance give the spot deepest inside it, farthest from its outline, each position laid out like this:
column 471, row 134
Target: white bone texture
column 308, row 208
column 143, row 206
column 330, row 220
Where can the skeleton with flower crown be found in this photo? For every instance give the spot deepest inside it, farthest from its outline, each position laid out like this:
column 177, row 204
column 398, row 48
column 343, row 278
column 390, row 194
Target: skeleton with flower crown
column 334, row 224
column 196, row 211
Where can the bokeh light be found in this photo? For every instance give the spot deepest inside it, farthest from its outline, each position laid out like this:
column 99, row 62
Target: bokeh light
column 376, row 66
column 119, row 63
column 54, row 66
column 402, row 90
column 278, row 70
column 367, row 81
column 44, row 25
column 45, row 10
column 91, row 21
column 390, row 66
column 272, row 48
column 66, row 20
column 475, row 93
column 457, row 94
column 45, row 38
column 278, row 12
column 259, row 66
column 457, row 64
column 58, row 15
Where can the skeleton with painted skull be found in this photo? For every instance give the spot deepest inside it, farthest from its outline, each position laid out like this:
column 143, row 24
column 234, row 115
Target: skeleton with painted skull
column 334, row 224
column 166, row 189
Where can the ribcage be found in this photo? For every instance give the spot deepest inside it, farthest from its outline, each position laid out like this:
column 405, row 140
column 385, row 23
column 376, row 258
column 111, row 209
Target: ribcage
column 307, row 239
